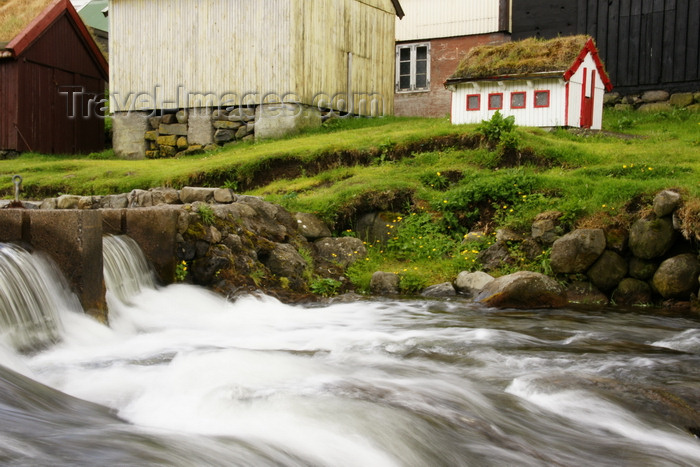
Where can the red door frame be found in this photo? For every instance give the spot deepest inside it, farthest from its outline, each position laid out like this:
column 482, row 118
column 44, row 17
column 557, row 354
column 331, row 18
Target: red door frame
column 587, row 102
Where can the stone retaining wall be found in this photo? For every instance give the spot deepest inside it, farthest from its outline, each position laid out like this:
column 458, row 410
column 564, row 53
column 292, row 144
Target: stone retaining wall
column 653, row 101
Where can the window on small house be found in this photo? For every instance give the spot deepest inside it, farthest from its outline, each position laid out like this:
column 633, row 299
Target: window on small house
column 473, row 102
column 412, row 67
column 541, row 98
column 495, row 101
column 517, row 100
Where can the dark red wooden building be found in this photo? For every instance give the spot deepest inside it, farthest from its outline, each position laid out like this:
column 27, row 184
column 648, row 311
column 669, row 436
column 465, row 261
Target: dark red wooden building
column 50, row 74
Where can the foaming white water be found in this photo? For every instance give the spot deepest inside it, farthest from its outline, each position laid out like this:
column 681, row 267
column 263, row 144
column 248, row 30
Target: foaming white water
column 595, row 413
column 32, row 295
column 686, row 341
column 126, row 270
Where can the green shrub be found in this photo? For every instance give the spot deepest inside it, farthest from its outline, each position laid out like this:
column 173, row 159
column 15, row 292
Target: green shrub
column 206, row 213
column 411, row 282
column 494, row 129
column 325, row 287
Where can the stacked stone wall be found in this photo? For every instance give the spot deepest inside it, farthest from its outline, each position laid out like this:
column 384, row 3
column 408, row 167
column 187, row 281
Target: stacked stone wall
column 654, row 101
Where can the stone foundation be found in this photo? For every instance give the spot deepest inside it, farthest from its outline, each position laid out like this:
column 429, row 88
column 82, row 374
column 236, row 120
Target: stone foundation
column 653, row 101
column 139, row 135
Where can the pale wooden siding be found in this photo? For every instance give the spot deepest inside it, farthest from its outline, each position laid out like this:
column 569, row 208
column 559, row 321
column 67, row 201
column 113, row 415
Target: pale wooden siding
column 575, row 91
column 427, row 19
column 330, row 31
column 191, row 53
column 189, row 48
column 551, row 116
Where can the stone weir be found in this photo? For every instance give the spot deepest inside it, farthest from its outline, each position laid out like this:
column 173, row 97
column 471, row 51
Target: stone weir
column 208, row 236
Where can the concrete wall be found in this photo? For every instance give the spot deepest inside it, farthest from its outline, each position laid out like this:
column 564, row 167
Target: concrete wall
column 73, row 239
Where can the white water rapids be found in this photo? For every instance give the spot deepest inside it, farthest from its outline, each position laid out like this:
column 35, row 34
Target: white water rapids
column 183, row 377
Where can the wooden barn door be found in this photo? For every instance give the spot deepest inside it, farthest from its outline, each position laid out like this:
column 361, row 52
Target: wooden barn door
column 587, row 99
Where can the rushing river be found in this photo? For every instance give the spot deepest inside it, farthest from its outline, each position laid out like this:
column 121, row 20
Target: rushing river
column 182, row 377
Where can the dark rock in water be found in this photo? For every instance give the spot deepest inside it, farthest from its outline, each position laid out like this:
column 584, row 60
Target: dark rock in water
column 607, row 271
column 585, row 293
column 576, row 251
column 445, row 289
column 494, row 256
column 632, row 292
column 651, row 238
column 524, row 289
column 642, row 269
column 677, row 277
column 384, row 283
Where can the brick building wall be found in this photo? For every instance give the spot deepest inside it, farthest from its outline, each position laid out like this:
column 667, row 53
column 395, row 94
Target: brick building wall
column 445, row 55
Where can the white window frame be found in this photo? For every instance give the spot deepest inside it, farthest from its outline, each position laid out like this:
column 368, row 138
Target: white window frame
column 413, row 48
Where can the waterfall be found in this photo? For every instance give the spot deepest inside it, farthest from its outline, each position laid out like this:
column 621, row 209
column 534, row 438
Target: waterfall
column 126, row 269
column 32, row 293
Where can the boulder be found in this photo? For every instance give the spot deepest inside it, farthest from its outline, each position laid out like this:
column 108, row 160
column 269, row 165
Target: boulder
column 607, row 271
column 524, row 289
column 165, row 196
column 224, row 195
column 191, row 194
column 285, row 261
column 651, row 238
column 655, row 107
column 632, row 292
column 140, row 199
column 585, row 293
column 665, row 202
column 377, row 227
column 384, row 283
column 655, row 96
column 471, row 283
column 311, row 227
column 508, row 235
column 67, row 202
column 544, row 231
column 616, row 239
column 343, row 250
column 681, row 99
column 494, row 256
column 205, row 270
column 576, row 251
column 119, row 201
column 642, row 269
column 446, row 289
column 677, row 277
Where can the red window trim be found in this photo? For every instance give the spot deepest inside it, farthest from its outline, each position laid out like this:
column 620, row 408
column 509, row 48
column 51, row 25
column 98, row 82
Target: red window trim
column 543, row 91
column 524, row 99
column 489, row 100
column 478, row 97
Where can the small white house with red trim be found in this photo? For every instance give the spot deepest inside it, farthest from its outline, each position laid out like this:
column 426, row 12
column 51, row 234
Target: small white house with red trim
column 544, row 83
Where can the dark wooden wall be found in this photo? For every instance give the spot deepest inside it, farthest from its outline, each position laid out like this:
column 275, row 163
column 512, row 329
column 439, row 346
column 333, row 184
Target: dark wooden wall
column 645, row 44
column 35, row 116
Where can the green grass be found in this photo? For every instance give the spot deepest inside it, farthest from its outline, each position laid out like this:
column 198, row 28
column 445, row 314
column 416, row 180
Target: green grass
column 357, row 165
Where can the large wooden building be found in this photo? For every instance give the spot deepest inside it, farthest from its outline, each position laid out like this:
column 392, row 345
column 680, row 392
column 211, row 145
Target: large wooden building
column 50, row 68
column 432, row 39
column 645, row 44
column 191, row 54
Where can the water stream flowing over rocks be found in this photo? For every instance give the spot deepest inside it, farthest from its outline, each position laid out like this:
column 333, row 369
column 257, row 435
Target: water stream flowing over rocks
column 184, row 377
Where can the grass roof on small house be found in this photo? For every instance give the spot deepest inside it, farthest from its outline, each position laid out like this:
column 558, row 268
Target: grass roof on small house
column 15, row 15
column 523, row 57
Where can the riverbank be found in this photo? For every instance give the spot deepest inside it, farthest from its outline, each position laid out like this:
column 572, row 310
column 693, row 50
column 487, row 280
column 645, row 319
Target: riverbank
column 441, row 193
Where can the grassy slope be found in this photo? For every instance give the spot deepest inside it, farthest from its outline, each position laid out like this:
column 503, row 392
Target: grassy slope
column 591, row 178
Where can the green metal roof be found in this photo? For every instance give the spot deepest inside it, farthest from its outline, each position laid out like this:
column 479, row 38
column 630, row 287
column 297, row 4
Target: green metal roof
column 93, row 16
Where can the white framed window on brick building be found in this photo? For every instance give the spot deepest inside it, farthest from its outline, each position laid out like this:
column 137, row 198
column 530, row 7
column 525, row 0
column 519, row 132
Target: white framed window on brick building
column 413, row 67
